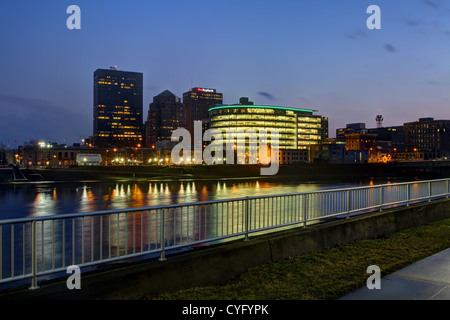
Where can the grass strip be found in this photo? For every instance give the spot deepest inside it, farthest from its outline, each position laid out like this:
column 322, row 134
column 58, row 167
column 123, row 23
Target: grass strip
column 327, row 274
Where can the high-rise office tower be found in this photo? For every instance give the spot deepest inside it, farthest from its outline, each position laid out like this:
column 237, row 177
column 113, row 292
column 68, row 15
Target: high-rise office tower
column 324, row 129
column 166, row 114
column 197, row 102
column 118, row 107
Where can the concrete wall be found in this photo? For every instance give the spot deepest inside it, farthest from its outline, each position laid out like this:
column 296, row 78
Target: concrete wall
column 215, row 265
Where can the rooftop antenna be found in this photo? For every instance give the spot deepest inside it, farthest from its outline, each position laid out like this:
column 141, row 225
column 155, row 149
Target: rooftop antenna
column 379, row 119
column 113, row 68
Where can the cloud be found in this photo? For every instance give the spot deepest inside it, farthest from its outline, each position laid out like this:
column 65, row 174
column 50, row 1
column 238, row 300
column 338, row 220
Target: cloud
column 431, row 82
column 303, row 102
column 431, row 3
column 390, row 47
column 357, row 34
column 413, row 22
column 23, row 107
column 266, row 95
column 26, row 118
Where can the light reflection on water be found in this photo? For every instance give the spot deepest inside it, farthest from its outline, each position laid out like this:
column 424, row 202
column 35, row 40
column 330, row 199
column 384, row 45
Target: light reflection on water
column 73, row 241
column 19, row 201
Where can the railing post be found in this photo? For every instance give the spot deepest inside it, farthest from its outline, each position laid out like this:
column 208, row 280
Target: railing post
column 381, row 197
column 33, row 257
column 305, row 209
column 407, row 194
column 429, row 191
column 163, row 240
column 247, row 204
column 348, row 203
column 446, row 184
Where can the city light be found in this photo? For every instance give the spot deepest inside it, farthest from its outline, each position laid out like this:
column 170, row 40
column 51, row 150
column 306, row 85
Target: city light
column 134, row 189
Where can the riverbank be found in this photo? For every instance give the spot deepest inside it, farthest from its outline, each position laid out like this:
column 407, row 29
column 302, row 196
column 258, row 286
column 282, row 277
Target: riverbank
column 322, row 261
column 326, row 274
column 298, row 172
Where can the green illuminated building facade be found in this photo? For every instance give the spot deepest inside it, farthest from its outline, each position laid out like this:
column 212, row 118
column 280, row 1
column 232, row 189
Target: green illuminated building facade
column 297, row 128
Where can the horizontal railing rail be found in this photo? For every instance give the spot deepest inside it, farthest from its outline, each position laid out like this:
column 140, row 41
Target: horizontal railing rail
column 39, row 246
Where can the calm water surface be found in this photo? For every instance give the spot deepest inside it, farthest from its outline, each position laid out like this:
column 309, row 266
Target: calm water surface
column 44, row 199
column 63, row 242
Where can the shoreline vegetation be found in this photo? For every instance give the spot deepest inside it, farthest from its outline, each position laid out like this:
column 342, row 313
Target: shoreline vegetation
column 299, row 172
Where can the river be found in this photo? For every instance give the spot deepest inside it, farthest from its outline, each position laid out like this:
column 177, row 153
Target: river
column 46, row 199
column 77, row 240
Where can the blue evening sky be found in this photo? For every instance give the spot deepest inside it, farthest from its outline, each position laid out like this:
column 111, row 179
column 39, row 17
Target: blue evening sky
column 315, row 54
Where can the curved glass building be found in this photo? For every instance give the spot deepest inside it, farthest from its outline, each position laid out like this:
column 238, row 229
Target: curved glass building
column 298, row 128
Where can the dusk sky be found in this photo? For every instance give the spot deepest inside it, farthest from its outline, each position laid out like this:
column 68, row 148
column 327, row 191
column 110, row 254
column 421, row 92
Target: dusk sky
column 316, row 54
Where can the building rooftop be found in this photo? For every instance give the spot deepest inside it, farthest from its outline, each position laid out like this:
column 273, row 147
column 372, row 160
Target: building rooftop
column 228, row 106
column 166, row 93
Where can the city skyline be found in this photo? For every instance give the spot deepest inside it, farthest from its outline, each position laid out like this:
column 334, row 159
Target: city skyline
column 304, row 54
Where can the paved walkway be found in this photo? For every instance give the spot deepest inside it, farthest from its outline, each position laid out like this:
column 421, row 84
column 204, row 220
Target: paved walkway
column 428, row 279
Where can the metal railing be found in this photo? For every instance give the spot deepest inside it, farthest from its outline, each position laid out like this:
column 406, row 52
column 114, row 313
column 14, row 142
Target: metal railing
column 34, row 247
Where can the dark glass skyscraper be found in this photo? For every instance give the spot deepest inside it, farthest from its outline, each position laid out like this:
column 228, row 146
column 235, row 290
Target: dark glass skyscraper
column 166, row 114
column 118, row 107
column 197, row 102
